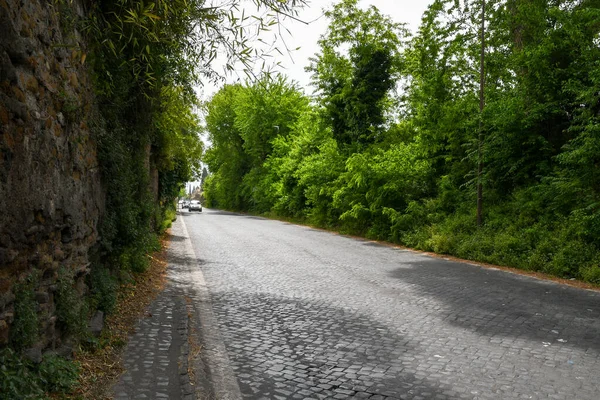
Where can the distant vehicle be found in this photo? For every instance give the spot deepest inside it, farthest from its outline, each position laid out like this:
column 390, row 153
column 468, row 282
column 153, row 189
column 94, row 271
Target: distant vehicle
column 195, row 206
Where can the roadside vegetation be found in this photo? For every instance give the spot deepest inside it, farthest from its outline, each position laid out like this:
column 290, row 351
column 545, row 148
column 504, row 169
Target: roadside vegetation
column 395, row 143
column 145, row 59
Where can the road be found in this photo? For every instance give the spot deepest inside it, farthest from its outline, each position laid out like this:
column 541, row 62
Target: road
column 292, row 313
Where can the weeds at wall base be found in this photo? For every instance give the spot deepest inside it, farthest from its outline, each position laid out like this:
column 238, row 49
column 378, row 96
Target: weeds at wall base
column 72, row 310
column 22, row 379
column 25, row 327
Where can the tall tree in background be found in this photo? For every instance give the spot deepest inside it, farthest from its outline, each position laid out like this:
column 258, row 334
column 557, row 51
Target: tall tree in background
column 442, row 101
column 481, row 106
column 226, row 158
column 244, row 122
column 265, row 113
column 357, row 66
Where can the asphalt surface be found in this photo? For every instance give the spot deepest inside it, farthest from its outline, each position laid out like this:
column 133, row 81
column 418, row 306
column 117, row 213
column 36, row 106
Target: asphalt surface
column 299, row 313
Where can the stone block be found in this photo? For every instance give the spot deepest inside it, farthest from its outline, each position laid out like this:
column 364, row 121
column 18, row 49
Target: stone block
column 6, row 299
column 42, row 297
column 51, row 327
column 7, row 70
column 7, row 256
column 34, row 354
column 66, row 349
column 17, row 108
column 97, row 323
column 4, row 330
column 8, row 317
column 59, row 254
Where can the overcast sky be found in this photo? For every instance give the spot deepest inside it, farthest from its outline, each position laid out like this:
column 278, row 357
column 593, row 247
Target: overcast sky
column 306, row 36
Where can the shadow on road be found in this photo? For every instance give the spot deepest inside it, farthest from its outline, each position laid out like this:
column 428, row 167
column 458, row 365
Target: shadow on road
column 175, row 238
column 279, row 345
column 177, row 260
column 493, row 302
column 212, row 213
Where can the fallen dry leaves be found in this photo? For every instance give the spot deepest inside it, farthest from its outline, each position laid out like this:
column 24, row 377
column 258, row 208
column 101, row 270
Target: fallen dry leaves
column 100, row 368
column 194, row 346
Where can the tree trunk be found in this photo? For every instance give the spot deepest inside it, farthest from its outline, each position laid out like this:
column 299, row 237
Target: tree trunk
column 481, row 106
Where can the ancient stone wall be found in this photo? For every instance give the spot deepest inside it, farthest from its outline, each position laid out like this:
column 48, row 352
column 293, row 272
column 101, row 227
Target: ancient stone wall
column 50, row 192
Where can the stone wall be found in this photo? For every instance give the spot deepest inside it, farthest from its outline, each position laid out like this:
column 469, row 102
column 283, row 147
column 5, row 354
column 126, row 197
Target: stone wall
column 50, row 192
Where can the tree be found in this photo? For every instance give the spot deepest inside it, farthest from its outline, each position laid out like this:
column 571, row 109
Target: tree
column 267, row 109
column 174, row 41
column 244, row 122
column 226, row 158
column 355, row 70
column 481, row 107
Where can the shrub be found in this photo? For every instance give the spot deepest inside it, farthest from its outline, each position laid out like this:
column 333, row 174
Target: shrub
column 104, row 288
column 21, row 379
column 17, row 378
column 591, row 273
column 72, row 311
column 58, row 375
column 24, row 330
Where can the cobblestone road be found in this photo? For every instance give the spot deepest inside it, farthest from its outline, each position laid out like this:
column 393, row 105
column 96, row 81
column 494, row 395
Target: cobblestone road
column 306, row 314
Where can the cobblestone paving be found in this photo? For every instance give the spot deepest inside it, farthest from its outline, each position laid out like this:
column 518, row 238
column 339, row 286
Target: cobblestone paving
column 306, row 314
column 156, row 356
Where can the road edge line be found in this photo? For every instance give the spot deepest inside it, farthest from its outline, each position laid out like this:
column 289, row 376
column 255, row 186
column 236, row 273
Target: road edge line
column 223, row 380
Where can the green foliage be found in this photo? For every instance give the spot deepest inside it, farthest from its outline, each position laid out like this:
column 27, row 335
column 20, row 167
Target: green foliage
column 378, row 183
column 169, row 215
column 348, row 163
column 70, row 108
column 24, row 331
column 21, row 379
column 354, row 83
column 174, row 42
column 58, row 375
column 72, row 310
column 227, row 157
column 135, row 258
column 245, row 125
column 103, row 287
column 18, row 379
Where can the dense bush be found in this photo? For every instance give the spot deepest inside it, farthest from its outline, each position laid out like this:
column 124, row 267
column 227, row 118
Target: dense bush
column 24, row 330
column 72, row 313
column 146, row 61
column 21, row 379
column 103, row 289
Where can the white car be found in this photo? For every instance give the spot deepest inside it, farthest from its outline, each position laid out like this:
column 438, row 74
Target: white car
column 195, row 206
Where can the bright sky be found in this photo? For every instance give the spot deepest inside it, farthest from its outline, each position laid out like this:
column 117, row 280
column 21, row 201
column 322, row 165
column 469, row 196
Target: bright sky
column 306, row 36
